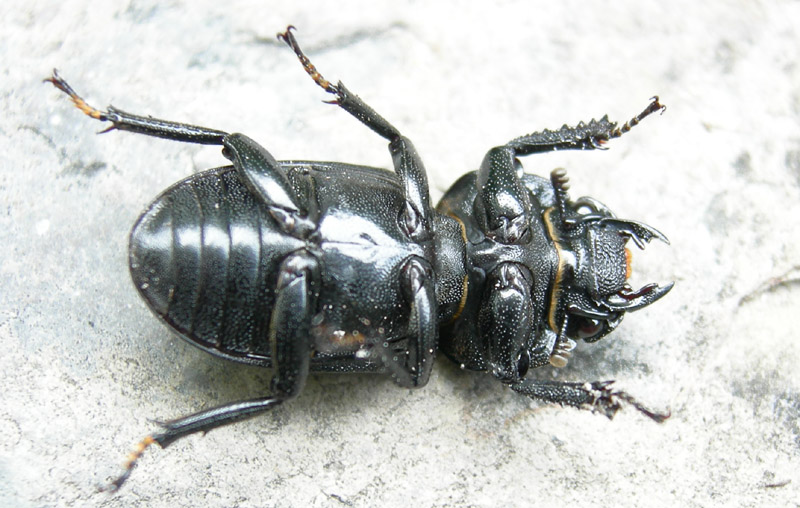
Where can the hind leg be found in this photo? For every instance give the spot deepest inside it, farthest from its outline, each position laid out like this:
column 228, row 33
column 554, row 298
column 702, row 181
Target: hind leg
column 255, row 164
column 291, row 352
column 147, row 125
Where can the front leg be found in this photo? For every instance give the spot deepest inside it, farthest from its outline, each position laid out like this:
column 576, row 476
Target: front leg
column 597, row 396
column 584, row 136
column 502, row 206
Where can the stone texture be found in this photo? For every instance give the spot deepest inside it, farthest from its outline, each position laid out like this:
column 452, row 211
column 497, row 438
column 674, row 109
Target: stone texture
column 86, row 367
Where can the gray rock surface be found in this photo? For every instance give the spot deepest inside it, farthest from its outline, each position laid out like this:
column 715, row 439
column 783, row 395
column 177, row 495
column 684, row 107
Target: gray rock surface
column 86, row 367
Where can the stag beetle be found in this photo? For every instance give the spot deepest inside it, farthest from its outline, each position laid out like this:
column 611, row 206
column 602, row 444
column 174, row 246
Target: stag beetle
column 304, row 266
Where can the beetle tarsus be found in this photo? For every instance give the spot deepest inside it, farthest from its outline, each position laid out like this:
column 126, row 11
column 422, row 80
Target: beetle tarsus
column 77, row 100
column 651, row 108
column 130, row 463
column 653, row 415
column 606, row 400
column 312, row 71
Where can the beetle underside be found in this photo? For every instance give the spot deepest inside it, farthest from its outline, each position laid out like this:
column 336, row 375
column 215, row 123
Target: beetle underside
column 329, row 267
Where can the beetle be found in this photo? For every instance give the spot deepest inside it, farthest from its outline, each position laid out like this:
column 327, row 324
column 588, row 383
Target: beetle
column 303, row 266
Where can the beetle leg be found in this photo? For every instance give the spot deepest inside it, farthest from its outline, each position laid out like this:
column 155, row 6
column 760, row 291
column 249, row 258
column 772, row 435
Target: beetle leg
column 268, row 180
column 291, row 348
column 505, row 321
column 344, row 98
column 418, row 287
column 202, row 421
column 502, row 206
column 597, row 396
column 584, row 136
column 120, row 120
column 417, row 219
column 295, row 303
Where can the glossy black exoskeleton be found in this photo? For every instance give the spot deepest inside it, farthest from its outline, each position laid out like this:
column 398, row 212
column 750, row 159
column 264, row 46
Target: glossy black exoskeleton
column 328, row 267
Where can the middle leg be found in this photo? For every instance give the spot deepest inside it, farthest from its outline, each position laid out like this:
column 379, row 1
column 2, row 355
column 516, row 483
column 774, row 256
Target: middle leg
column 418, row 217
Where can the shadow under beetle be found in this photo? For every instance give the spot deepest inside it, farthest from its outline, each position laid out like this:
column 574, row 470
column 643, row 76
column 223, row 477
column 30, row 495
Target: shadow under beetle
column 305, row 266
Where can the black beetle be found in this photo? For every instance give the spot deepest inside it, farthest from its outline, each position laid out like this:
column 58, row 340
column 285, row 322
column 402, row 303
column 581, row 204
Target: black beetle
column 305, row 266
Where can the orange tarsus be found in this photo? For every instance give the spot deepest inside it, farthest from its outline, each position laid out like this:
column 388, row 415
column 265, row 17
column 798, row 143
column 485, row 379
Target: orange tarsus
column 81, row 104
column 130, row 463
column 312, row 71
column 651, row 108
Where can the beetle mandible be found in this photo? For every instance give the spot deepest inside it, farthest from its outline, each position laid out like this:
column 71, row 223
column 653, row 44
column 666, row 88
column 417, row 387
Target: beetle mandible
column 304, row 266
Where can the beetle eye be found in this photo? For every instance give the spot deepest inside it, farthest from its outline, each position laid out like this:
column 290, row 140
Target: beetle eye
column 584, row 328
column 523, row 363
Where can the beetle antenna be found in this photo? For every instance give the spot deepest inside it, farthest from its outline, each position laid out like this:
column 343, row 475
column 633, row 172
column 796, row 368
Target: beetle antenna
column 560, row 182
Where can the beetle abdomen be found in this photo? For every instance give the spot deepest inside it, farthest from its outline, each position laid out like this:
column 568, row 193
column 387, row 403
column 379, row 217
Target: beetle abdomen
column 197, row 257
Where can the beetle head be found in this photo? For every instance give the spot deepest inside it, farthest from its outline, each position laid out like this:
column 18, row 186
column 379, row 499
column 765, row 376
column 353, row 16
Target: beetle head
column 591, row 295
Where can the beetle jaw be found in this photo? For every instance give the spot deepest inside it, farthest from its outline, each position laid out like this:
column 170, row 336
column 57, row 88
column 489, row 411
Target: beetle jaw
column 627, row 300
